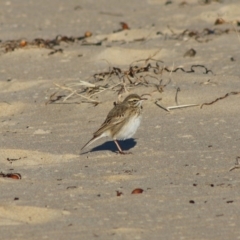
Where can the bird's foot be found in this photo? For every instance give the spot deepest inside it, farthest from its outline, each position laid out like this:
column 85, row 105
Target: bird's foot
column 124, row 153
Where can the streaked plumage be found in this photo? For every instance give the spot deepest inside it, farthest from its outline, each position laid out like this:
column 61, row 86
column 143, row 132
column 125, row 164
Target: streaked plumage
column 121, row 122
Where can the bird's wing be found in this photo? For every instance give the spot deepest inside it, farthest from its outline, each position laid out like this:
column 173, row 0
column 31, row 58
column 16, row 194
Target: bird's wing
column 116, row 116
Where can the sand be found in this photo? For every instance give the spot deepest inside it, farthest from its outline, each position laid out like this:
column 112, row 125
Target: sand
column 181, row 159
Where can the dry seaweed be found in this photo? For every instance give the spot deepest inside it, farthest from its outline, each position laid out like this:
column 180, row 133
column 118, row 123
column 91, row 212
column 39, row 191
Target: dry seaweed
column 202, row 35
column 190, row 53
column 144, row 72
column 220, row 98
column 11, row 175
column 11, row 45
column 191, row 69
column 198, row 35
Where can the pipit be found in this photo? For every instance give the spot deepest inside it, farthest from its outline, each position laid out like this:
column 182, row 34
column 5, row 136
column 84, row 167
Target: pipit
column 122, row 121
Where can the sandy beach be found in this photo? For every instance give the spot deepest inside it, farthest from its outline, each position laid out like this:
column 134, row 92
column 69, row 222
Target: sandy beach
column 62, row 66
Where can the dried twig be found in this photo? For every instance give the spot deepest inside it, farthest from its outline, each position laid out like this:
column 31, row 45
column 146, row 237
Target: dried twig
column 237, row 164
column 51, row 98
column 182, row 106
column 75, row 92
column 176, row 99
column 166, row 109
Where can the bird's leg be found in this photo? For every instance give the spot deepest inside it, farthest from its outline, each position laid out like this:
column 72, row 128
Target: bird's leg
column 119, row 148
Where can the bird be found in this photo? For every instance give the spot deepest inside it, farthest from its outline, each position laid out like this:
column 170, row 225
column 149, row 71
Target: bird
column 121, row 122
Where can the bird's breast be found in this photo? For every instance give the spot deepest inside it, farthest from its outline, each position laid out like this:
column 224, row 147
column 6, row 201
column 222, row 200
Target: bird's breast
column 129, row 128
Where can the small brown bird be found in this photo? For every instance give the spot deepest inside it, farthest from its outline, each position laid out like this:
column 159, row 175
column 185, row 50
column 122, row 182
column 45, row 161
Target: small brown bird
column 122, row 121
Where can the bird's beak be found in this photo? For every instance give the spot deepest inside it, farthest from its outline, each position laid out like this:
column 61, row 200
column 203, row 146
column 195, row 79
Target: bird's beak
column 140, row 102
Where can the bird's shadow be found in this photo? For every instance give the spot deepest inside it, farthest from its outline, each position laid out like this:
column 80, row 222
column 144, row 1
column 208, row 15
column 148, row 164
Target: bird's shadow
column 110, row 145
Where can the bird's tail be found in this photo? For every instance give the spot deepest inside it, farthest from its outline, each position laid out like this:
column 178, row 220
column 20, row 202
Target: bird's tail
column 95, row 138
